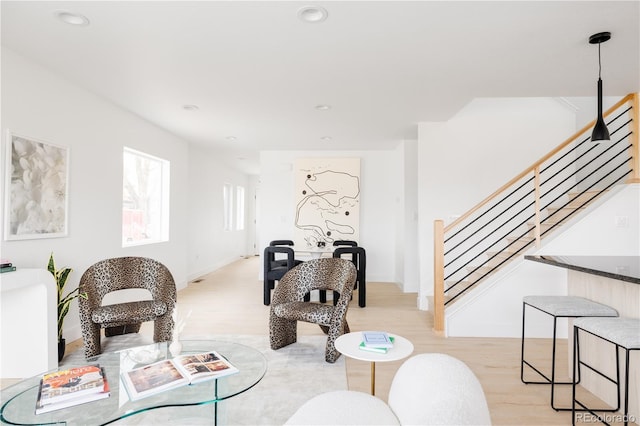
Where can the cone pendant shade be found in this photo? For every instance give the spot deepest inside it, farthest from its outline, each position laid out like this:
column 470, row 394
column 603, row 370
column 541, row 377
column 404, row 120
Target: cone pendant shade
column 600, row 132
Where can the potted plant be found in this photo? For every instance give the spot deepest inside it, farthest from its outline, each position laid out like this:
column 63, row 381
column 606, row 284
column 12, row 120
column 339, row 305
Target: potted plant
column 64, row 302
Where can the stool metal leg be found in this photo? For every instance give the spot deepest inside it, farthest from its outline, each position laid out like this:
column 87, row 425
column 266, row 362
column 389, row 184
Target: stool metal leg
column 626, row 388
column 577, row 363
column 548, row 381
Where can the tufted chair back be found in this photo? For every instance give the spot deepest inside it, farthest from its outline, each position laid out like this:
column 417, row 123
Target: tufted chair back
column 288, row 305
column 121, row 273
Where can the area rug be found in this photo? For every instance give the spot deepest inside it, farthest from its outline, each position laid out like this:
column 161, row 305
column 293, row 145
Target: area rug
column 295, row 374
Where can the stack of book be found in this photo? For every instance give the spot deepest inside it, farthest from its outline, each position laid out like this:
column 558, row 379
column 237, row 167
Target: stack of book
column 6, row 266
column 376, row 341
column 74, row 386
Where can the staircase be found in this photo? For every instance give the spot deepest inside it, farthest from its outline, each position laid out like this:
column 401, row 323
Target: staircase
column 532, row 206
column 517, row 245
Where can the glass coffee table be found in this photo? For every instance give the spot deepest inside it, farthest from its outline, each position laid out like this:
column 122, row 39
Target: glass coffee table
column 19, row 400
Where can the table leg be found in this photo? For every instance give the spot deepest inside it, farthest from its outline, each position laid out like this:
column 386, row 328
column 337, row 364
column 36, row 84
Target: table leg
column 373, row 378
column 215, row 405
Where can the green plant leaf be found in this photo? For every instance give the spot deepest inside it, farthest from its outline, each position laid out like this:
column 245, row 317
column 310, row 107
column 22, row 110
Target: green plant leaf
column 64, row 302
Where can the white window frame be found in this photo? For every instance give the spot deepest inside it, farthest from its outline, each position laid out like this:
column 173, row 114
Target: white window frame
column 227, row 206
column 159, row 232
column 240, row 208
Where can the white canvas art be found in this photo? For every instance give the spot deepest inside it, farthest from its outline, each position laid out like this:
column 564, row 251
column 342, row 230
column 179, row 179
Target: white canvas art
column 327, row 200
column 36, row 189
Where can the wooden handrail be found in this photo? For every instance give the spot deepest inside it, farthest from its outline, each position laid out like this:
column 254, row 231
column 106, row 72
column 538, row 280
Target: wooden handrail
column 539, row 162
column 440, row 230
column 438, row 275
column 536, row 185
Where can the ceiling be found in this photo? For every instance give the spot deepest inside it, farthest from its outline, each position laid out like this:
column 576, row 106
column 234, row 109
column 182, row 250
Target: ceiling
column 257, row 72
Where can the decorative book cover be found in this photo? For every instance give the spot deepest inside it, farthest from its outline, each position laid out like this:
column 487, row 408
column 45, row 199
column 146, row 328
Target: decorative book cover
column 376, row 339
column 374, row 349
column 69, row 387
column 171, row 373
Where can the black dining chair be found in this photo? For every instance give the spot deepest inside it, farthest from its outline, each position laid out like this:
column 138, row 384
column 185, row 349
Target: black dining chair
column 275, row 266
column 349, row 243
column 281, row 261
column 358, row 256
column 339, row 243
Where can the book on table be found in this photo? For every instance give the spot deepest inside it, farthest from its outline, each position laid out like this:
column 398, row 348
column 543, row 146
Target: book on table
column 172, row 373
column 376, row 339
column 69, row 387
column 380, row 350
column 7, row 268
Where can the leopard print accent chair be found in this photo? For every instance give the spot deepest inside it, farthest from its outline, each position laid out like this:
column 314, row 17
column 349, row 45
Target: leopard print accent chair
column 120, row 273
column 288, row 305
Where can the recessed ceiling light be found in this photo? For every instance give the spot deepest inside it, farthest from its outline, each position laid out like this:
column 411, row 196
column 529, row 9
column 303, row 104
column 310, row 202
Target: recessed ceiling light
column 190, row 107
column 312, row 14
column 72, row 18
column 326, row 138
column 323, row 107
column 231, row 138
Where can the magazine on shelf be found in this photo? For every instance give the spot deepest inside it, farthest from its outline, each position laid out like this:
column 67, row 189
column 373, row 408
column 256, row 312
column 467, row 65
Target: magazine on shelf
column 375, row 349
column 69, row 387
column 171, row 373
column 376, row 339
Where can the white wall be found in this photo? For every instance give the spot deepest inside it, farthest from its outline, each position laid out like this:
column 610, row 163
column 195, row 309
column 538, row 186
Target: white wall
column 209, row 245
column 612, row 228
column 408, row 261
column 41, row 105
column 380, row 205
column 464, row 160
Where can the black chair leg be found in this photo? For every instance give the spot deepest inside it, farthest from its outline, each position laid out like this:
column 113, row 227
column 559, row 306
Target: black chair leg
column 268, row 285
column 362, row 295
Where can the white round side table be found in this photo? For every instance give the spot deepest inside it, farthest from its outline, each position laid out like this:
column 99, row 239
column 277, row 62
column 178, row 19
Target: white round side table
column 349, row 345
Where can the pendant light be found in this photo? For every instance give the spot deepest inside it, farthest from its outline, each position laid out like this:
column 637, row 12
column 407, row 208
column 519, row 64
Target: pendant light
column 600, row 132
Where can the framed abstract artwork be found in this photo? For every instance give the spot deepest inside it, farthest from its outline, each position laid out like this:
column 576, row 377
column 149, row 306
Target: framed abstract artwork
column 36, row 189
column 327, row 200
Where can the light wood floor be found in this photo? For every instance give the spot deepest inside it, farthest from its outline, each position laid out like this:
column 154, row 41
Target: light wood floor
column 230, row 301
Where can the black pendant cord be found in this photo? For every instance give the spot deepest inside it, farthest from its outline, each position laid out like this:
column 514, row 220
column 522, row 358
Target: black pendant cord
column 599, row 83
column 599, row 63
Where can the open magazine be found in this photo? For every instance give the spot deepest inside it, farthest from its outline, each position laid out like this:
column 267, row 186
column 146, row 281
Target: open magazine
column 171, row 373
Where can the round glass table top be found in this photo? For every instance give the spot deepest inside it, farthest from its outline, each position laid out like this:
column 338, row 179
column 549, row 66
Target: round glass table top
column 19, row 401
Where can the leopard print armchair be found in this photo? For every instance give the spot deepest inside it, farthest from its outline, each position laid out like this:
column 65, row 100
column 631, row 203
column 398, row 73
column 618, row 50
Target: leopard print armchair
column 288, row 305
column 114, row 274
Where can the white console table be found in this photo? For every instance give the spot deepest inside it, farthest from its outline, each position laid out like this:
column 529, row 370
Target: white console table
column 28, row 335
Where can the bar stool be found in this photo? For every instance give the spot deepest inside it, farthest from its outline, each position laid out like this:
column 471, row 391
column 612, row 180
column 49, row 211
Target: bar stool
column 624, row 333
column 559, row 307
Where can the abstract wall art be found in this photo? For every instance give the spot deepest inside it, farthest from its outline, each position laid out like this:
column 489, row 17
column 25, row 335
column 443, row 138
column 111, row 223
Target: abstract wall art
column 327, row 200
column 36, row 191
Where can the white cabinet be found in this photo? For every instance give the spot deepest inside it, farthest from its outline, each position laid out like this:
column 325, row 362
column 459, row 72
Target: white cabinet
column 28, row 335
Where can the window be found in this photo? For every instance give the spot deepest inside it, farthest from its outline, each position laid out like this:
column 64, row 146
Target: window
column 239, row 208
column 145, row 199
column 228, row 206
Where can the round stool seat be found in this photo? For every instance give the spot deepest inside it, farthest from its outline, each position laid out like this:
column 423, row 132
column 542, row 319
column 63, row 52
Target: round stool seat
column 624, row 332
column 569, row 306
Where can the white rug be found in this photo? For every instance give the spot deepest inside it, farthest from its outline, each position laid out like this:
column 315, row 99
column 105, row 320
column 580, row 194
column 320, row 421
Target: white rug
column 294, row 374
